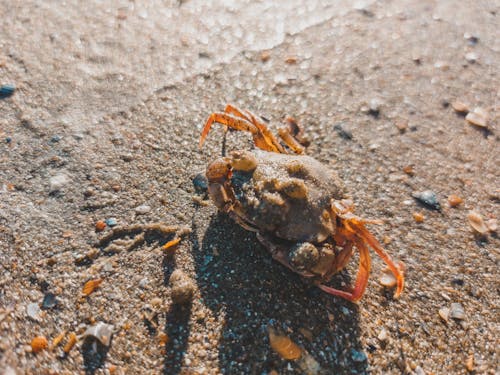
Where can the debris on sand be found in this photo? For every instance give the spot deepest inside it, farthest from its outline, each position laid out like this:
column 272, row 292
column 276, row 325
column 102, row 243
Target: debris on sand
column 283, row 345
column 99, row 331
column 182, row 287
column 428, row 198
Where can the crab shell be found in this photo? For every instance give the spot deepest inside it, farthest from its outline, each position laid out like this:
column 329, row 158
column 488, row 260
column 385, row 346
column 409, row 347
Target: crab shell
column 282, row 197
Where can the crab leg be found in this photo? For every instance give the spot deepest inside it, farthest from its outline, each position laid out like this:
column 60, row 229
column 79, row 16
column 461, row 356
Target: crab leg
column 262, row 138
column 361, row 278
column 290, row 141
column 375, row 245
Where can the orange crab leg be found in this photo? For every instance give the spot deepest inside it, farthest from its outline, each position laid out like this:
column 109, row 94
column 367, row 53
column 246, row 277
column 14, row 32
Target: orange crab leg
column 361, row 278
column 365, row 235
column 262, row 138
column 290, row 141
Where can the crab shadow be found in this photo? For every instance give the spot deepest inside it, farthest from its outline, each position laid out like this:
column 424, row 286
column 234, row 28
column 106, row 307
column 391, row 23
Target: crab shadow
column 242, row 285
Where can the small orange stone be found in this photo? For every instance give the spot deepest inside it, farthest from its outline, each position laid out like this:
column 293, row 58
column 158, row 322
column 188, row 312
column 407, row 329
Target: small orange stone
column 57, row 340
column 291, row 60
column 454, row 200
column 419, row 217
column 265, row 56
column 170, row 245
column 163, row 338
column 100, row 225
column 71, row 342
column 90, row 286
column 284, row 346
column 409, row 170
column 38, row 344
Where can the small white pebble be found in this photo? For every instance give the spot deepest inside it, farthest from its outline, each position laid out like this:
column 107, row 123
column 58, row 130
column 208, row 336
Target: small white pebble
column 142, row 209
column 58, row 182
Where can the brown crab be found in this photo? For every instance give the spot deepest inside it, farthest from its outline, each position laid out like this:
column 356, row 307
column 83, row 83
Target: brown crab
column 296, row 205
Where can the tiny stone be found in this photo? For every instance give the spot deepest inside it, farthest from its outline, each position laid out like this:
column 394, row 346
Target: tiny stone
column 6, row 91
column 383, row 335
column 111, row 222
column 476, row 222
column 444, row 314
column 143, row 283
column 478, row 117
column 342, row 131
column 428, row 198
column 472, row 39
column 419, row 371
column 34, row 312
column 402, row 125
column 442, row 65
column 460, row 107
column 58, row 182
column 55, row 138
column 100, row 331
column 182, row 287
column 155, row 302
column 457, row 311
column 471, row 57
column 142, row 209
column 387, row 279
column 454, row 200
column 49, row 301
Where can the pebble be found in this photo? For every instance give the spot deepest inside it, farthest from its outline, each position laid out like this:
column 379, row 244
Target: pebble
column 402, row 125
column 6, row 91
column 476, row 222
column 454, row 200
column 428, row 198
column 100, row 331
column 38, row 344
column 383, row 335
column 471, row 57
column 111, row 222
column 55, row 138
column 444, row 313
column 479, row 117
column 457, row 311
column 387, row 279
column 442, row 65
column 342, row 132
column 460, row 107
column 418, row 217
column 34, row 312
column 100, row 226
column 182, row 287
column 49, row 301
column 58, row 182
column 419, row 371
column 155, row 302
column 142, row 209
column 472, row 39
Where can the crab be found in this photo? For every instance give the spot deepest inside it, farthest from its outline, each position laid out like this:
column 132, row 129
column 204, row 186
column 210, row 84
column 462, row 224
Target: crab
column 297, row 206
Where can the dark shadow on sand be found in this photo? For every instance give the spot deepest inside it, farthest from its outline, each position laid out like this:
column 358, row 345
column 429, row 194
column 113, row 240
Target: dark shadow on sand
column 239, row 279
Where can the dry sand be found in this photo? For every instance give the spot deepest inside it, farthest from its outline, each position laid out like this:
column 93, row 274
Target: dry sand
column 104, row 124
